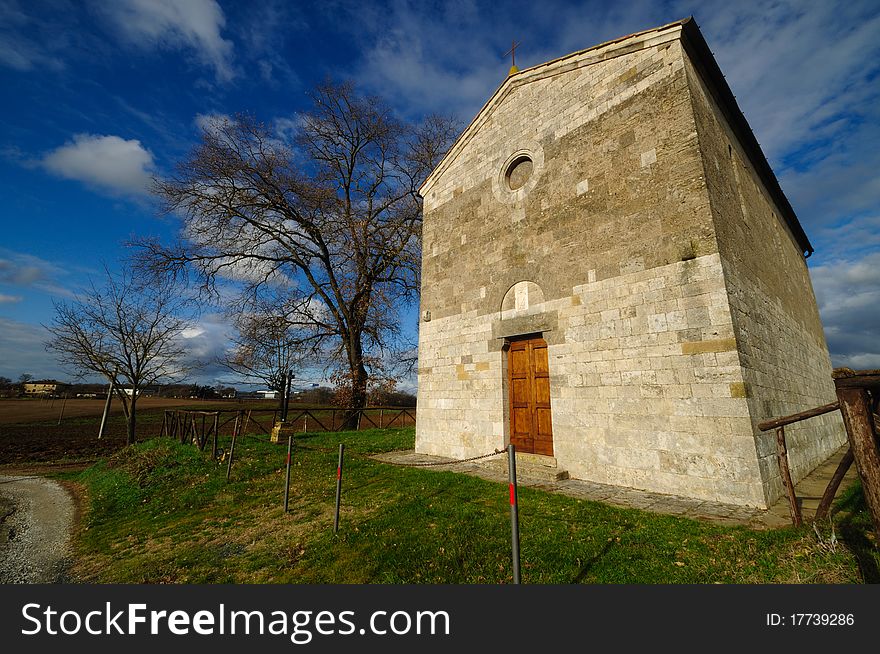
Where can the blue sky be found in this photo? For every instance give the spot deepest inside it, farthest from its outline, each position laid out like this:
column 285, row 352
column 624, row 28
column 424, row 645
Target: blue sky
column 99, row 96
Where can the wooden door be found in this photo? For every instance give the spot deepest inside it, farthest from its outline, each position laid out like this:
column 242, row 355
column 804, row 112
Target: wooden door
column 528, row 374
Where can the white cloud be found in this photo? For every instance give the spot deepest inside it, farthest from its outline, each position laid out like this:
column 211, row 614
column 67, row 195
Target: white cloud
column 192, row 332
column 194, row 24
column 21, row 52
column 287, row 127
column 849, row 238
column 264, row 32
column 848, row 292
column 435, row 64
column 27, row 271
column 210, row 121
column 205, row 342
column 24, row 351
column 22, row 55
column 795, row 68
column 9, row 298
column 111, row 163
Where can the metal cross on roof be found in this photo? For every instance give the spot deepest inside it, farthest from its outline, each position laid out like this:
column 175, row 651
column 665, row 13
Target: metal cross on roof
column 512, row 52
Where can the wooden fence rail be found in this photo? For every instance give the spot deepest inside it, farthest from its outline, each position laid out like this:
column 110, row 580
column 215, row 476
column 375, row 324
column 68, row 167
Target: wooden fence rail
column 858, row 399
column 197, row 426
column 782, row 454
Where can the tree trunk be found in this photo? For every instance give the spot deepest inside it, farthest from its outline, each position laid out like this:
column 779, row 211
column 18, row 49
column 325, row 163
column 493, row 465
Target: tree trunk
column 358, row 375
column 132, row 418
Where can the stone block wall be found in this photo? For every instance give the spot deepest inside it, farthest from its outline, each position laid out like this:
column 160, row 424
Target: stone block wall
column 646, row 387
column 779, row 333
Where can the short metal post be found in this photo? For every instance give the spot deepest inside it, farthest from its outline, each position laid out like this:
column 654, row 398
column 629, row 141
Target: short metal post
column 514, row 513
column 287, row 475
column 106, row 410
column 338, row 486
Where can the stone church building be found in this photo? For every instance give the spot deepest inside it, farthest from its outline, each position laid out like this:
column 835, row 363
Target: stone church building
column 614, row 281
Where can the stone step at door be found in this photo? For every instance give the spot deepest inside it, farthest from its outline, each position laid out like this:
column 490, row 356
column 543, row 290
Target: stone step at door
column 531, row 466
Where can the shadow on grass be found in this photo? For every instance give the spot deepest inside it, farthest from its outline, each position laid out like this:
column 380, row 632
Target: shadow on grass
column 854, row 521
column 588, row 566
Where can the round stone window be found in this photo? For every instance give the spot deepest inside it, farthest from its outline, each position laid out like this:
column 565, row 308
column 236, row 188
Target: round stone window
column 518, row 172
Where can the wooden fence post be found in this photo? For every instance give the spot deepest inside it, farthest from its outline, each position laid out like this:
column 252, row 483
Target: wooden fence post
column 216, row 435
column 784, row 471
column 287, row 473
column 232, row 444
column 858, row 419
column 63, row 402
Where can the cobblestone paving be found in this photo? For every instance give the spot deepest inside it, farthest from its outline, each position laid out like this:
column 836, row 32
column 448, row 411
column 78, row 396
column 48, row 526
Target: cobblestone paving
column 809, row 490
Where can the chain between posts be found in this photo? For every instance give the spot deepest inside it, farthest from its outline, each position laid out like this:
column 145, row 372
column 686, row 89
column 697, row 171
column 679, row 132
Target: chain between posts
column 446, row 463
column 406, row 465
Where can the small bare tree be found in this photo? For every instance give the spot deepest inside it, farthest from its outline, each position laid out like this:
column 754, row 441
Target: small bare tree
column 266, row 345
column 23, row 379
column 335, row 219
column 124, row 331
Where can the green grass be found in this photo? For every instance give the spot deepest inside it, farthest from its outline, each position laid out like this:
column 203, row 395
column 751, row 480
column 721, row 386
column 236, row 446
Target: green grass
column 163, row 512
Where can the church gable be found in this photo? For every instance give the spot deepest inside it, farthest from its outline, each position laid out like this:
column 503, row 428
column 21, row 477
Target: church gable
column 546, row 102
column 550, row 175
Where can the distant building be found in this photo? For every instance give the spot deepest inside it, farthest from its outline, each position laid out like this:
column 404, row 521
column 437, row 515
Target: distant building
column 258, row 395
column 42, row 387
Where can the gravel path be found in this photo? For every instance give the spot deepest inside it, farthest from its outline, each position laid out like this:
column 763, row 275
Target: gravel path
column 36, row 517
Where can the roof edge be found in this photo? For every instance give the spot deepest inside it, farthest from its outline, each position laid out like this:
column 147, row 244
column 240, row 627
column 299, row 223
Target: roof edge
column 704, row 62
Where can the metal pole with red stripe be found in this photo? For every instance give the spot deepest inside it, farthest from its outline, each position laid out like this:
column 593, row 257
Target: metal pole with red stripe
column 287, row 476
column 338, row 486
column 514, row 513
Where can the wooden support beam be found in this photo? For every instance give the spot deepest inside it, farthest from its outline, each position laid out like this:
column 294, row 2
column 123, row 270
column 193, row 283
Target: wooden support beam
column 846, row 378
column 858, row 419
column 784, row 471
column 833, row 485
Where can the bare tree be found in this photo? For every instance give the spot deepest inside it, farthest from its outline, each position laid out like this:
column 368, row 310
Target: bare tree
column 23, row 379
column 265, row 347
column 125, row 332
column 333, row 222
